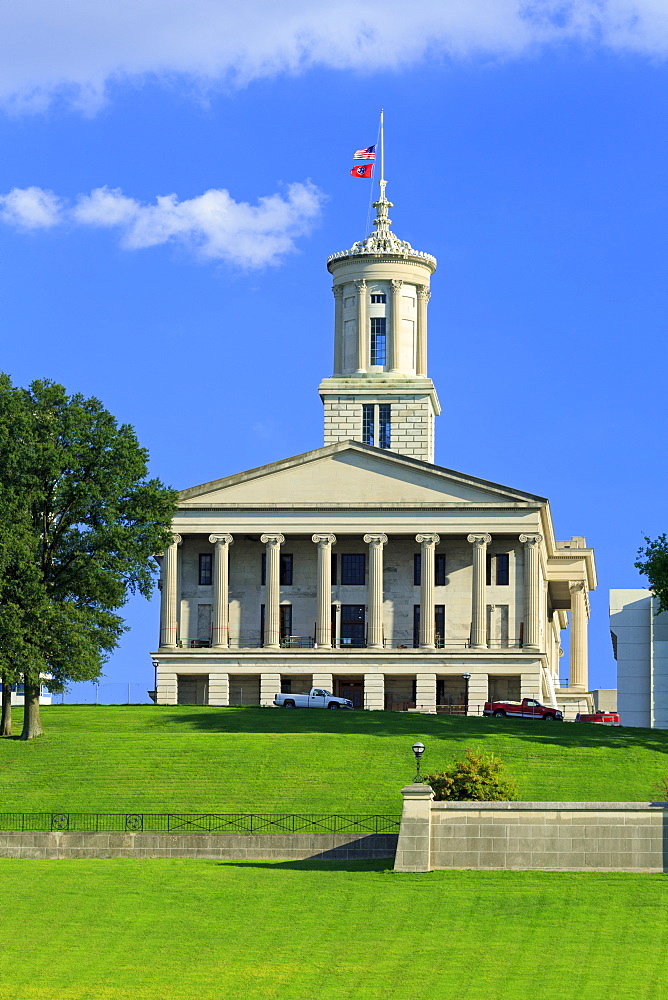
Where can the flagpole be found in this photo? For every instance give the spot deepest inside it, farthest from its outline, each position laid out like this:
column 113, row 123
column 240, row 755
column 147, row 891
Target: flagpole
column 382, row 154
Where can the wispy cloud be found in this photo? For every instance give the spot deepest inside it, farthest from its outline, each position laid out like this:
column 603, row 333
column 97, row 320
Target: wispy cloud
column 52, row 46
column 213, row 225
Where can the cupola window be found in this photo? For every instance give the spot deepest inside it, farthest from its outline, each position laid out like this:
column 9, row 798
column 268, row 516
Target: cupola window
column 378, row 297
column 378, row 340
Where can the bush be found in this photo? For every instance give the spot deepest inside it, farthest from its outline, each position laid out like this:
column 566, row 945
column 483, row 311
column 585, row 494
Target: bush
column 480, row 777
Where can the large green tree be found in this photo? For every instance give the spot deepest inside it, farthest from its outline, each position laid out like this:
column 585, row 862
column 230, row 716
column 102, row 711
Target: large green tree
column 79, row 523
column 653, row 563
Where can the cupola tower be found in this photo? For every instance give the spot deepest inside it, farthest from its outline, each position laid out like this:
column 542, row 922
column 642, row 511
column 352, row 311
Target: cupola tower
column 380, row 392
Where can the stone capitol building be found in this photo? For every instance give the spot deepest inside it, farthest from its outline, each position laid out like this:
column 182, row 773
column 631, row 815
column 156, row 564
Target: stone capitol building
column 362, row 567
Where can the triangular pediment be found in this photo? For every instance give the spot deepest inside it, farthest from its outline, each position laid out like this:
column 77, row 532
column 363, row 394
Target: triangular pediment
column 351, row 474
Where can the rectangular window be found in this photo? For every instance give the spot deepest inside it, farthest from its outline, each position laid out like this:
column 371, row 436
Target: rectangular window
column 333, row 622
column 205, row 569
column 286, row 570
column 262, row 624
column 377, row 297
column 439, row 625
column 368, row 434
column 502, row 569
column 498, row 570
column 384, row 425
column 416, row 626
column 263, row 574
column 285, row 612
column 417, row 569
column 352, row 569
column 378, row 339
column 334, row 568
column 439, row 569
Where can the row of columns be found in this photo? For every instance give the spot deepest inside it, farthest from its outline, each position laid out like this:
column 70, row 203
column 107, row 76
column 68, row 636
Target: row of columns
column 393, row 332
column 376, row 543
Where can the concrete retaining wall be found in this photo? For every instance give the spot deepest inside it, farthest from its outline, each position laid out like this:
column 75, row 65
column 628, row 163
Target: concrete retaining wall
column 538, row 836
column 277, row 847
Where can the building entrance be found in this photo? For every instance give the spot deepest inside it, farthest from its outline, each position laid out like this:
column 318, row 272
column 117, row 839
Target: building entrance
column 352, row 626
column 193, row 690
column 351, row 688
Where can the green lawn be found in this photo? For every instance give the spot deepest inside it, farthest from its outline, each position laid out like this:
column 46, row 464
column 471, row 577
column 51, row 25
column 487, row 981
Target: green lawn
column 162, row 759
column 199, row 930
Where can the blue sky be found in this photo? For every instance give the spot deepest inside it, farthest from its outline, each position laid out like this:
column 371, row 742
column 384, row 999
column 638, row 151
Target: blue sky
column 526, row 149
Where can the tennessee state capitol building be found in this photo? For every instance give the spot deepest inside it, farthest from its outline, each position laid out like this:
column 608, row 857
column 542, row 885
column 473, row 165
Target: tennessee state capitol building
column 362, row 567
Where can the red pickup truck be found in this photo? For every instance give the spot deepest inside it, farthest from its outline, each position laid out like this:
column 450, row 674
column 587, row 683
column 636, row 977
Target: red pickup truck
column 528, row 708
column 604, row 718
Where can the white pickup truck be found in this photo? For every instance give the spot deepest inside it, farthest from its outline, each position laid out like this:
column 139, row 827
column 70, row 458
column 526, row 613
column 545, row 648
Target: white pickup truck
column 317, row 698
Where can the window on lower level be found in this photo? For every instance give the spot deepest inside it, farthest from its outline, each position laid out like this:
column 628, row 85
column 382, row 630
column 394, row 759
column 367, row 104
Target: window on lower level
column 205, row 569
column 286, row 563
column 376, row 424
column 378, row 340
column 352, row 569
column 439, row 569
column 368, row 423
column 384, row 425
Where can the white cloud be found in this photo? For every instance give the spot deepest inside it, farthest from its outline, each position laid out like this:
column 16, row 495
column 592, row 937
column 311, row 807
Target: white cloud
column 78, row 46
column 30, row 208
column 213, row 225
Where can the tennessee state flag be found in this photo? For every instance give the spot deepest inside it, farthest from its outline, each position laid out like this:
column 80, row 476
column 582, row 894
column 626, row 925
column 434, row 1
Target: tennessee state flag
column 364, row 170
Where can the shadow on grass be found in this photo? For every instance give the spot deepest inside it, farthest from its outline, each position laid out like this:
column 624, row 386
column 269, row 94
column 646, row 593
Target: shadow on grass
column 442, row 727
column 311, row 865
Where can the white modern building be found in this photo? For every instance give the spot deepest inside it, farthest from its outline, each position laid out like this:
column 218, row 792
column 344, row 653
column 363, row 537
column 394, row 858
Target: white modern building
column 640, row 644
column 361, row 566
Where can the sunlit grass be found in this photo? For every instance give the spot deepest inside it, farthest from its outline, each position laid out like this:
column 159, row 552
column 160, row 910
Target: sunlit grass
column 161, row 759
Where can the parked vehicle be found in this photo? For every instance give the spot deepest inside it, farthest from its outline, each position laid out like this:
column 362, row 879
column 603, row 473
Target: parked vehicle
column 528, row 708
column 317, row 698
column 603, row 718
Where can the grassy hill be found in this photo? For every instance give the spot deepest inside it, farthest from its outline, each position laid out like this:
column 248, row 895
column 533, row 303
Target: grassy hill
column 205, row 930
column 164, row 759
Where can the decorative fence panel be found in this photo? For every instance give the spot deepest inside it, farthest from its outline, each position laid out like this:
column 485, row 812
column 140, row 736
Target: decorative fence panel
column 76, row 822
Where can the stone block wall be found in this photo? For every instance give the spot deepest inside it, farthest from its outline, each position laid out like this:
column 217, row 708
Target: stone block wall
column 531, row 836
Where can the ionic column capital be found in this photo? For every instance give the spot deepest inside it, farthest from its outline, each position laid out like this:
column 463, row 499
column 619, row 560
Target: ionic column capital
column 273, row 540
column 325, row 539
column 427, row 539
column 576, row 586
column 479, row 540
column 531, row 539
column 176, row 539
column 221, row 539
column 375, row 540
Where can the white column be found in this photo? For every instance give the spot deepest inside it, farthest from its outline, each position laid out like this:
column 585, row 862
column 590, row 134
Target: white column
column 375, row 622
column 219, row 689
column 425, row 693
column 579, row 672
column 478, row 686
column 478, row 605
column 323, row 594
column 374, row 692
column 428, row 543
column 531, row 545
column 338, row 329
column 395, row 327
column 170, row 596
column 423, row 296
column 362, row 332
column 270, row 686
column 220, row 626
column 272, row 590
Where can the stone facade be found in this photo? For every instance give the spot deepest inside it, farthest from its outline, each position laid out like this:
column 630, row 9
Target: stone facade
column 362, row 566
column 538, row 836
column 640, row 645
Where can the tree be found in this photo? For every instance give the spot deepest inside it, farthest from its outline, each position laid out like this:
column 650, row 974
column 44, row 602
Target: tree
column 653, row 563
column 79, row 524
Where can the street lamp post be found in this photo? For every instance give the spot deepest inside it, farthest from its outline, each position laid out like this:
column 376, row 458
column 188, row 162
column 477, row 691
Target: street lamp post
column 418, row 750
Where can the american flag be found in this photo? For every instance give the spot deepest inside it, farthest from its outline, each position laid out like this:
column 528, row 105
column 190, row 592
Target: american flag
column 365, row 154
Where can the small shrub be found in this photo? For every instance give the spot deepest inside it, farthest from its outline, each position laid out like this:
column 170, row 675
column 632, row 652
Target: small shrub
column 480, row 777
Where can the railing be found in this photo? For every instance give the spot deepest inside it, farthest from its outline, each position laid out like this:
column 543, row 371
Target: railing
column 66, row 822
column 402, row 642
column 249, row 642
column 308, row 642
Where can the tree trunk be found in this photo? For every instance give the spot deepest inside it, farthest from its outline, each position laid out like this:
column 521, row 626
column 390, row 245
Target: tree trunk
column 6, row 721
column 32, row 724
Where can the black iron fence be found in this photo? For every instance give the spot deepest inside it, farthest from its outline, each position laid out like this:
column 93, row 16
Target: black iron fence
column 76, row 822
